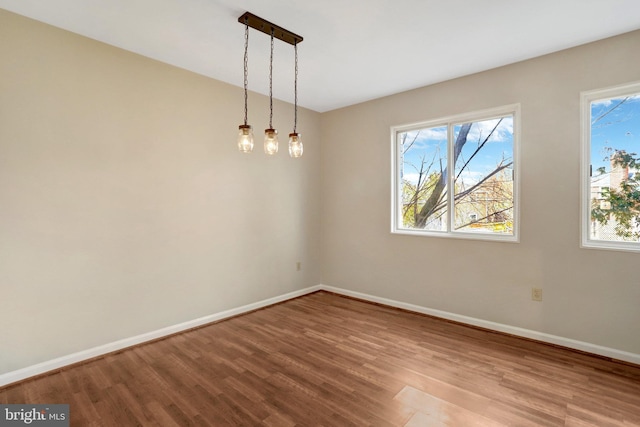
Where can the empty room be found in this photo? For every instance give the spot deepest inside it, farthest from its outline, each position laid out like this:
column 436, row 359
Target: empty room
column 439, row 226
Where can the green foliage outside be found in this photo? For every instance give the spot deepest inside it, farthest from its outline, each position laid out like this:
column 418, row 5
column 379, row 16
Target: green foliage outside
column 621, row 204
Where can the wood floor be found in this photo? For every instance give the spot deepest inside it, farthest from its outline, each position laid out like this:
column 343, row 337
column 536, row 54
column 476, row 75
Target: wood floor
column 327, row 360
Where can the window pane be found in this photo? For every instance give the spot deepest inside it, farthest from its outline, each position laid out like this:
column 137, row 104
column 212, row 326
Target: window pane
column 474, row 155
column 614, row 190
column 423, row 178
column 483, row 158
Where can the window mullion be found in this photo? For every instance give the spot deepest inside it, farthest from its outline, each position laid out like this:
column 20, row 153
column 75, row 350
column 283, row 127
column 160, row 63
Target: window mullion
column 399, row 174
column 450, row 178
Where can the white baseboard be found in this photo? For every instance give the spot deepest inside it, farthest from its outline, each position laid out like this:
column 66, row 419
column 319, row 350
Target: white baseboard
column 60, row 362
column 51, row 365
column 513, row 330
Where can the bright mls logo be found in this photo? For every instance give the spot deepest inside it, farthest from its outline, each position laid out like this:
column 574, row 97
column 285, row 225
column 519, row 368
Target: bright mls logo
column 34, row 415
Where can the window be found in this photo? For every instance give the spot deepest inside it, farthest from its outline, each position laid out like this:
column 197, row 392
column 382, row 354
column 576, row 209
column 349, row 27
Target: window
column 479, row 199
column 610, row 168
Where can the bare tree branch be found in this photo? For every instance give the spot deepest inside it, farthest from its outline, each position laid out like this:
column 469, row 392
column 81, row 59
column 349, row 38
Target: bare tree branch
column 429, row 207
column 463, row 194
column 479, row 147
column 482, row 219
column 601, row 116
column 404, row 138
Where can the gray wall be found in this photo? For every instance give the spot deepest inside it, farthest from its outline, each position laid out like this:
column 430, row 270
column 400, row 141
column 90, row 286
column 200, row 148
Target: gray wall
column 125, row 206
column 589, row 295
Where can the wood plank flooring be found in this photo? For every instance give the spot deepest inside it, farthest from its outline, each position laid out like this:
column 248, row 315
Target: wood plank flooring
column 327, row 360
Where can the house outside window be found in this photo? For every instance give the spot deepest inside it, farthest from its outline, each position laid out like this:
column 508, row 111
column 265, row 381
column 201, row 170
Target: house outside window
column 611, row 168
column 479, row 199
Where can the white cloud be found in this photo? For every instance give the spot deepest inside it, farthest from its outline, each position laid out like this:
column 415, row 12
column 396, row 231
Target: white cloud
column 438, row 134
column 411, row 177
column 427, row 138
column 610, row 101
column 602, row 103
column 471, row 177
column 481, row 129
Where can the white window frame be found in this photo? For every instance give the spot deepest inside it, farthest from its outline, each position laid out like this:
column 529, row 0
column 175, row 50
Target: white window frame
column 449, row 122
column 586, row 98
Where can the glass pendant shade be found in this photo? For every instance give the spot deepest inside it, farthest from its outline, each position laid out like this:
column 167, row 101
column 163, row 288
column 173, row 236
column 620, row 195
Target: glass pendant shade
column 245, row 133
column 245, row 138
column 295, row 145
column 270, row 141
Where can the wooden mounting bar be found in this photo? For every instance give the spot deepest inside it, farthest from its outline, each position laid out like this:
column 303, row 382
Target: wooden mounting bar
column 267, row 27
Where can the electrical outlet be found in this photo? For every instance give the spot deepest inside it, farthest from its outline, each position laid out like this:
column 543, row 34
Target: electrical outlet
column 298, row 266
column 536, row 294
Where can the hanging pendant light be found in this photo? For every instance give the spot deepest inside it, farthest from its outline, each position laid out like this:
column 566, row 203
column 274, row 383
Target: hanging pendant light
column 295, row 144
column 271, row 135
column 245, row 133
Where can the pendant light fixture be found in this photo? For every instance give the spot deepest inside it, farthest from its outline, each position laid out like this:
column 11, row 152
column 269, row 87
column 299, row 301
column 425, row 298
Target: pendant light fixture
column 245, row 134
column 295, row 145
column 271, row 135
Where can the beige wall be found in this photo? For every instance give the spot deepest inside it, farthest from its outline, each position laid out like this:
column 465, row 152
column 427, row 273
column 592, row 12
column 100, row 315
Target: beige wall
column 589, row 295
column 125, row 206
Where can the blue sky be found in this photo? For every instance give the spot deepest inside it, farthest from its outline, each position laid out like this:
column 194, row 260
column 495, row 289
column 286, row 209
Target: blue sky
column 431, row 144
column 619, row 129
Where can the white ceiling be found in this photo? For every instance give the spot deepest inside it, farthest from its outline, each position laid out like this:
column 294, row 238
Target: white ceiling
column 353, row 50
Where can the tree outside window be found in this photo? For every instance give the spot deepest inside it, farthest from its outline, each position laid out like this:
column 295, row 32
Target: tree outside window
column 611, row 143
column 479, row 150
